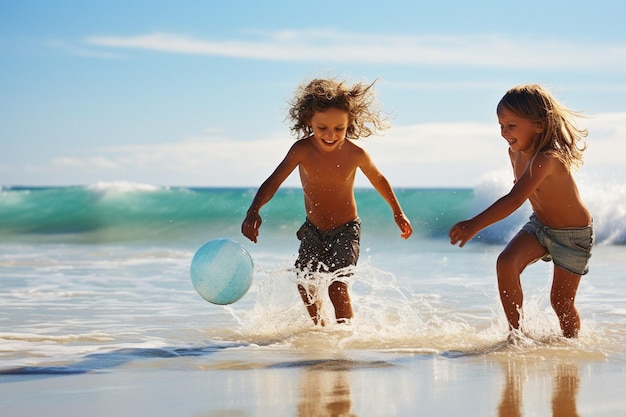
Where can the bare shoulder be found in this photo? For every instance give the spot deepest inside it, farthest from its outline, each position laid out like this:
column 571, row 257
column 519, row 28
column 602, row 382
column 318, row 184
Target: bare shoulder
column 547, row 173
column 354, row 150
column 301, row 145
column 548, row 163
column 300, row 150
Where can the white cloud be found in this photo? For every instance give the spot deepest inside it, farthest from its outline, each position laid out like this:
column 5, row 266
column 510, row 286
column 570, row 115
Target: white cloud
column 91, row 163
column 203, row 161
column 606, row 152
column 65, row 161
column 82, row 51
column 438, row 154
column 330, row 45
column 422, row 155
column 425, row 155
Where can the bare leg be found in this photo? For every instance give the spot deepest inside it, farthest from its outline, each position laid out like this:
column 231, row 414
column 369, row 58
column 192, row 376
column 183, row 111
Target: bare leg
column 522, row 250
column 562, row 297
column 311, row 302
column 338, row 293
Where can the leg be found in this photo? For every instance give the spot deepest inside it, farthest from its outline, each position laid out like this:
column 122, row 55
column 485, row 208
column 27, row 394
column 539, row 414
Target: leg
column 340, row 297
column 522, row 250
column 344, row 255
column 308, row 254
column 309, row 297
column 562, row 296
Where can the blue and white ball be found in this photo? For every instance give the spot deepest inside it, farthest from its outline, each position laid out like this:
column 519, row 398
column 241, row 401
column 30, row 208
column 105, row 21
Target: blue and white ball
column 222, row 271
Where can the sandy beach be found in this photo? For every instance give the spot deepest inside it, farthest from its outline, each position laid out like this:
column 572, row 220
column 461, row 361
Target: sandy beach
column 252, row 383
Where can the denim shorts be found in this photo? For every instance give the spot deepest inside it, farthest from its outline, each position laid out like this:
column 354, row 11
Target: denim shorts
column 569, row 247
column 328, row 250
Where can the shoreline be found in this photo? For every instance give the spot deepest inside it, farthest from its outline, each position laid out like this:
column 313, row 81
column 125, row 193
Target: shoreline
column 500, row 384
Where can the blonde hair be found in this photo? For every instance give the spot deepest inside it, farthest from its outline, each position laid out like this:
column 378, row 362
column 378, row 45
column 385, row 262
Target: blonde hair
column 358, row 101
column 560, row 136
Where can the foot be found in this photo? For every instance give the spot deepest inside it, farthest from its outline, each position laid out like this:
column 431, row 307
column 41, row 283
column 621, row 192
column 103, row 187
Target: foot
column 517, row 338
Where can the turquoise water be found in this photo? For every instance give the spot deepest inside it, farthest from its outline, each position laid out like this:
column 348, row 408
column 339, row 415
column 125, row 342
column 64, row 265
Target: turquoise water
column 123, row 212
column 117, row 213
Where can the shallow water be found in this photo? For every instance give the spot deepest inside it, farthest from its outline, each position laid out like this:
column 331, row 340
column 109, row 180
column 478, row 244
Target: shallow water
column 106, row 328
column 66, row 301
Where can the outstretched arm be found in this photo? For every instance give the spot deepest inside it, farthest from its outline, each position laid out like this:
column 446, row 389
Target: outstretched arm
column 527, row 183
column 380, row 183
column 252, row 222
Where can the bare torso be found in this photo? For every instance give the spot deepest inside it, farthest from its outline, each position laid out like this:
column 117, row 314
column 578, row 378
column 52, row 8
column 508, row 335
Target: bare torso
column 328, row 184
column 555, row 200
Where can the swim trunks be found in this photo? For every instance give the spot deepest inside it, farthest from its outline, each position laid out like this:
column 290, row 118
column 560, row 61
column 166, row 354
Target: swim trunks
column 331, row 250
column 569, row 247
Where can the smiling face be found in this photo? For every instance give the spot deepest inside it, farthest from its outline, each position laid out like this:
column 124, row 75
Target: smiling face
column 520, row 133
column 329, row 128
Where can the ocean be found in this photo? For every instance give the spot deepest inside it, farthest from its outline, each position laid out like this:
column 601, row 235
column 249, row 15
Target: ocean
column 98, row 314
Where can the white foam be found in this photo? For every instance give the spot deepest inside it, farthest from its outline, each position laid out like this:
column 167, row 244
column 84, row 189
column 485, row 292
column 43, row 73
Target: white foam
column 122, row 186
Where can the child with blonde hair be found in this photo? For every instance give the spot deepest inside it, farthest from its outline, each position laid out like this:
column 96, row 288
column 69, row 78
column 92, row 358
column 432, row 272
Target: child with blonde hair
column 544, row 148
column 328, row 116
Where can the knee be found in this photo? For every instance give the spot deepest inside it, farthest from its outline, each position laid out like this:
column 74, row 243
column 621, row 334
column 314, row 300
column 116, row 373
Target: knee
column 505, row 264
column 338, row 288
column 560, row 304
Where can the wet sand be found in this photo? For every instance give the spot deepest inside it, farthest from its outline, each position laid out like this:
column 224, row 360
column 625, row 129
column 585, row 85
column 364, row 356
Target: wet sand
column 505, row 383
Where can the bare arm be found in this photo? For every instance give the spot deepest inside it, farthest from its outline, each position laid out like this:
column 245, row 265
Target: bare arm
column 252, row 222
column 381, row 184
column 527, row 183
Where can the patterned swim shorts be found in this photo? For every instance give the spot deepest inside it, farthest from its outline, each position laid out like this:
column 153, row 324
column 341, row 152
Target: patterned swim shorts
column 328, row 250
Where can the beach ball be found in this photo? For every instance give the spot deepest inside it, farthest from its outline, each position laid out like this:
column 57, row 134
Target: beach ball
column 221, row 271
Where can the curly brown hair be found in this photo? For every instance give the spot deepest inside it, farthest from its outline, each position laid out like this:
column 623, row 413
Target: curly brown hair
column 319, row 95
column 560, row 136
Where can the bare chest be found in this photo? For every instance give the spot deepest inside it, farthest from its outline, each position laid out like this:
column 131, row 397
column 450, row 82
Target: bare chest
column 327, row 171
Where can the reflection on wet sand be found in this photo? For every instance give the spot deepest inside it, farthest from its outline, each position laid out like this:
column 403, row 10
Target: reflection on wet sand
column 511, row 402
column 325, row 393
column 564, row 389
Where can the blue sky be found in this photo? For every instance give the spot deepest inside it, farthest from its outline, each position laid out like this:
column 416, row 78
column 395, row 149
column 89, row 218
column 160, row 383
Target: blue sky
column 195, row 93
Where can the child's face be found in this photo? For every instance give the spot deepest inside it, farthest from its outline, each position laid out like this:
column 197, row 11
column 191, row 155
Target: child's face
column 329, row 128
column 519, row 132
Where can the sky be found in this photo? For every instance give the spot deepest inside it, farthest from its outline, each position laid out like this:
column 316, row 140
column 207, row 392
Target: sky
column 195, row 93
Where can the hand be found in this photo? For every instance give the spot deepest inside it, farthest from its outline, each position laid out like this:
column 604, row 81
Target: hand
column 461, row 232
column 250, row 226
column 405, row 225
